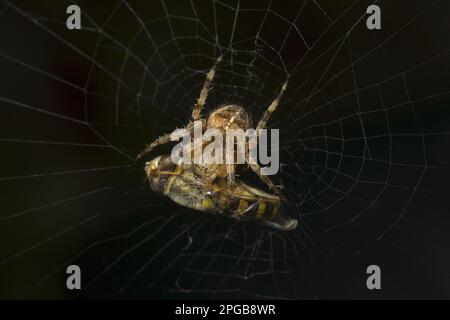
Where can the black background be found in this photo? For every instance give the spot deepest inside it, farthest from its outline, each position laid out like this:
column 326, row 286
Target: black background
column 364, row 151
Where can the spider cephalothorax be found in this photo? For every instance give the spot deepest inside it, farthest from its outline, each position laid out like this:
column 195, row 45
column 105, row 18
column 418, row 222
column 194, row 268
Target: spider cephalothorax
column 228, row 116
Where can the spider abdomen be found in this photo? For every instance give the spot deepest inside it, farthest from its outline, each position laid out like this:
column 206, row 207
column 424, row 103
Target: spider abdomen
column 229, row 117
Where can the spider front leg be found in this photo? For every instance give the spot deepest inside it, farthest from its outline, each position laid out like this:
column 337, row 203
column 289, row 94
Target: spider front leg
column 168, row 138
column 161, row 140
column 204, row 93
column 273, row 106
column 262, row 124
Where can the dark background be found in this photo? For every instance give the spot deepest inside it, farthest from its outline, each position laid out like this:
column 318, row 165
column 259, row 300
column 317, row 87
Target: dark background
column 364, row 147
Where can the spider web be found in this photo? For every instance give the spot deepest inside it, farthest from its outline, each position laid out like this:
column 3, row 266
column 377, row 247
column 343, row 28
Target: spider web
column 363, row 124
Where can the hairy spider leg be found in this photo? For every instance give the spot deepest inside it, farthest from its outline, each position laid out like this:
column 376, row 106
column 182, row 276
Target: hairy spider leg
column 273, row 106
column 256, row 169
column 159, row 141
column 204, row 93
column 262, row 124
column 195, row 112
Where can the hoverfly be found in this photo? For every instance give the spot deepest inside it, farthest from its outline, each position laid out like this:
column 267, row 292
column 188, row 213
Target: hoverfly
column 239, row 201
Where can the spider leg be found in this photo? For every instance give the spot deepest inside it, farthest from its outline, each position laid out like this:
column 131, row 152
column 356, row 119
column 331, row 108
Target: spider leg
column 273, row 106
column 257, row 170
column 161, row 140
column 204, row 93
column 165, row 139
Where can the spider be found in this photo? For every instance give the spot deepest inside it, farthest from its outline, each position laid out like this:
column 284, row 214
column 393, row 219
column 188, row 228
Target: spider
column 229, row 116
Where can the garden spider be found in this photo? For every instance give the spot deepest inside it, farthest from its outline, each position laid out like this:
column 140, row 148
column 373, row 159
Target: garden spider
column 225, row 117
